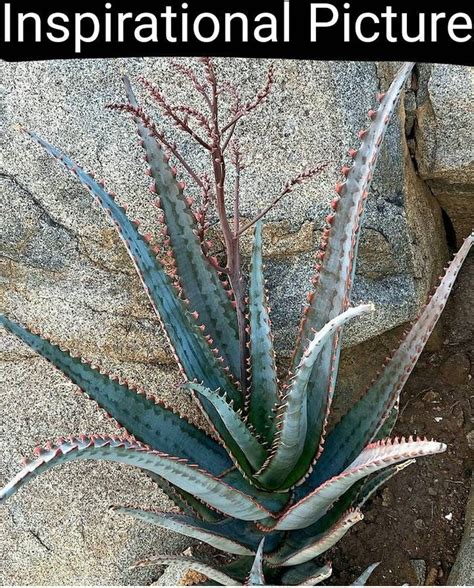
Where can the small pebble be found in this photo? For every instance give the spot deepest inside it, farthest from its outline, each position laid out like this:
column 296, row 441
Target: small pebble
column 431, row 396
column 432, row 577
column 449, row 517
column 387, row 498
column 438, row 419
column 419, row 524
column 419, row 566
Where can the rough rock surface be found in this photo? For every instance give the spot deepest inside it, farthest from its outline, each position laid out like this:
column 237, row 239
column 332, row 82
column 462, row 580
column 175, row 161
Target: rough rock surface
column 444, row 145
column 64, row 270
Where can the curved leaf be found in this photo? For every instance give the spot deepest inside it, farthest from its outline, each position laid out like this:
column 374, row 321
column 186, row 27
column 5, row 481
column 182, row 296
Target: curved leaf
column 336, row 272
column 219, row 535
column 264, row 384
column 363, row 578
column 185, row 337
column 247, row 446
column 274, row 502
column 363, row 421
column 192, row 564
column 291, row 554
column 256, row 576
column 186, row 502
column 309, row 574
column 239, row 569
column 292, row 418
column 199, row 280
column 375, row 457
column 177, row 471
column 374, row 483
column 149, row 420
column 387, row 428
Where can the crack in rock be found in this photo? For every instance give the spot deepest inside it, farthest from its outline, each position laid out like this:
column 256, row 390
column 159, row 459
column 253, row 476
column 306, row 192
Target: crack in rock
column 45, row 214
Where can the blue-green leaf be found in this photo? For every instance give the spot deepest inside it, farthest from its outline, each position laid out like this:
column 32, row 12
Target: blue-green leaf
column 264, row 385
column 246, row 446
column 179, row 472
column 374, row 458
column 186, row 338
column 199, row 280
column 334, row 280
column 309, row 574
column 149, row 420
column 256, row 576
column 186, row 502
column 222, row 535
column 375, row 482
column 292, row 428
column 364, row 577
column 299, row 552
column 364, row 420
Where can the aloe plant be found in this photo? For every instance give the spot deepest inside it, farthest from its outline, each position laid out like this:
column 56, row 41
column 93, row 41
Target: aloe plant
column 273, row 487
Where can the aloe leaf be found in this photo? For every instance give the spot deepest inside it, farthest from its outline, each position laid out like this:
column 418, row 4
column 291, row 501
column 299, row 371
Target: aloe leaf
column 337, row 268
column 192, row 351
column 292, row 421
column 299, row 539
column 272, row 501
column 246, row 445
column 264, row 384
column 186, row 502
column 364, row 577
column 192, row 564
column 291, row 555
column 148, row 419
column 199, row 280
column 309, row 574
column 219, row 535
column 177, row 471
column 239, row 569
column 375, row 457
column 256, row 576
column 386, row 429
column 375, row 482
column 363, row 422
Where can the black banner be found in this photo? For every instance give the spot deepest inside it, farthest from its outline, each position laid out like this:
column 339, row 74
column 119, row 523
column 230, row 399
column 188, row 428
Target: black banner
column 354, row 30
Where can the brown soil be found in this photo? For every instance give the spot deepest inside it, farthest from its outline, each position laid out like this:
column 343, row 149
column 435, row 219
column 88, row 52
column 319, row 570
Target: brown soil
column 420, row 513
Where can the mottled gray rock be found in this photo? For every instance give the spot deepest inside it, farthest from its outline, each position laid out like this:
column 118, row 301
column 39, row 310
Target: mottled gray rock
column 65, row 271
column 419, row 567
column 444, row 145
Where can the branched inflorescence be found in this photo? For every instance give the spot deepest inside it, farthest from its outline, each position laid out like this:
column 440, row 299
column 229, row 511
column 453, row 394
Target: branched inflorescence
column 274, row 486
column 216, row 138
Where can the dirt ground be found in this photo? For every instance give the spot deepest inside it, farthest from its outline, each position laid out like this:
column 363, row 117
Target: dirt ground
column 420, row 513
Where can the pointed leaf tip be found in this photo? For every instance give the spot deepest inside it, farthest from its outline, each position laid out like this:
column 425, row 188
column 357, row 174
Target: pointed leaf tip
column 363, row 578
column 256, row 576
